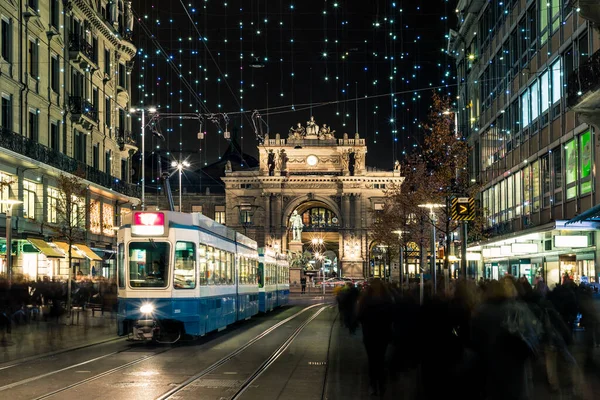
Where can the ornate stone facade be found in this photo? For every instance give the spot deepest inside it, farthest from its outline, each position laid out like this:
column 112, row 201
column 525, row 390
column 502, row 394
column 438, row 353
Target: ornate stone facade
column 320, row 171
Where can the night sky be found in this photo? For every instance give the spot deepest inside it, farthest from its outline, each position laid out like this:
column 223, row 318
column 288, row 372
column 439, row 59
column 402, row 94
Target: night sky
column 287, row 59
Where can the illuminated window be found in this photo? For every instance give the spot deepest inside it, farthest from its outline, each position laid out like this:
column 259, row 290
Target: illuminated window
column 108, row 212
column 52, row 194
column 197, row 209
column 220, row 214
column 95, row 217
column 29, row 189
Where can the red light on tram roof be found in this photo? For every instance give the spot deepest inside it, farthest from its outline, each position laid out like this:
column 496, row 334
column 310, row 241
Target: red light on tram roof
column 149, row 219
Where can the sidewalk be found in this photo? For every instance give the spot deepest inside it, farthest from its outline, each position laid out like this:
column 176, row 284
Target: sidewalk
column 39, row 337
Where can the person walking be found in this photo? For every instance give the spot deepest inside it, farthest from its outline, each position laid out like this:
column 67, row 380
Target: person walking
column 303, row 284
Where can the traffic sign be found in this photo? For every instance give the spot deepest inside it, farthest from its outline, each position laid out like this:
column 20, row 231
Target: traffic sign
column 463, row 209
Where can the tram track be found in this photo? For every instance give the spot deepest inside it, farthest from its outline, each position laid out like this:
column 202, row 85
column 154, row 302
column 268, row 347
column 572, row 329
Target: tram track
column 258, row 372
column 241, row 349
column 64, row 389
column 33, row 359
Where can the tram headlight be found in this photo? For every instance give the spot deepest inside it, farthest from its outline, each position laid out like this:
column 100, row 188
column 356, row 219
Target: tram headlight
column 147, row 308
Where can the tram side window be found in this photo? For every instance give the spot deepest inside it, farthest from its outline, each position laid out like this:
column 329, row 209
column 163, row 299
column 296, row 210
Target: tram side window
column 210, row 262
column 217, row 262
column 185, row 266
column 121, row 266
column 243, row 270
column 253, row 272
column 224, row 268
column 231, row 268
column 203, row 270
column 148, row 264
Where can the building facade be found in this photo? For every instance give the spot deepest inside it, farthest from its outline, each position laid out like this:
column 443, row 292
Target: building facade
column 65, row 91
column 312, row 195
column 523, row 104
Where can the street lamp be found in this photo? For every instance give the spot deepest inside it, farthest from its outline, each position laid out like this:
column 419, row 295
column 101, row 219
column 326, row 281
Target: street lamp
column 10, row 203
column 180, row 166
column 455, row 112
column 399, row 232
column 151, row 110
column 431, row 207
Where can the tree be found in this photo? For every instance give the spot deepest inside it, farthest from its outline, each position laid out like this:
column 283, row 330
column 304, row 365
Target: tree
column 71, row 211
column 432, row 174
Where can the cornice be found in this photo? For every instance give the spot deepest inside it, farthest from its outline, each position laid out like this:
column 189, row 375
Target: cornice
column 92, row 16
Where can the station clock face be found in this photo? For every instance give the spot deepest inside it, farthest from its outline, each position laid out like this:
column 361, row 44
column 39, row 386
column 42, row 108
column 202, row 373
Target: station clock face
column 312, row 160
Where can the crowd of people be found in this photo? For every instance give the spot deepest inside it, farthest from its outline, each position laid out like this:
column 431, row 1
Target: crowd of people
column 45, row 299
column 476, row 340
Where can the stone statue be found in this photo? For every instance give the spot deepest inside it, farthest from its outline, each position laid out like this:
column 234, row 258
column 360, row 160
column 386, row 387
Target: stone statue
column 228, row 166
column 344, row 159
column 326, row 132
column 356, row 136
column 297, row 225
column 114, row 11
column 129, row 17
column 311, row 127
column 271, row 162
column 283, row 159
column 351, row 161
column 345, row 136
column 397, row 166
column 298, row 132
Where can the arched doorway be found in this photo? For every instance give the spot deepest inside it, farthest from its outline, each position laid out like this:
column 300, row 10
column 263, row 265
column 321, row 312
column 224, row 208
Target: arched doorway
column 319, row 240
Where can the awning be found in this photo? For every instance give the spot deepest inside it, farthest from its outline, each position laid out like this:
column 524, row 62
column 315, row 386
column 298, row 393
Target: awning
column 46, row 249
column 593, row 214
column 88, row 252
column 74, row 253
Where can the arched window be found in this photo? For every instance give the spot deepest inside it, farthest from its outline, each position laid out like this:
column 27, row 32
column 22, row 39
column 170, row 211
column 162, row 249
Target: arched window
column 319, row 217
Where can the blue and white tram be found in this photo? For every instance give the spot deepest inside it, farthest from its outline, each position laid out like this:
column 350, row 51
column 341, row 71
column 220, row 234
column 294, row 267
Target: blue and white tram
column 182, row 274
column 267, row 279
column 283, row 280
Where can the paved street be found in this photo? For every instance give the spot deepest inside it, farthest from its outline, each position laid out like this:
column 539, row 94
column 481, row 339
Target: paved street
column 308, row 353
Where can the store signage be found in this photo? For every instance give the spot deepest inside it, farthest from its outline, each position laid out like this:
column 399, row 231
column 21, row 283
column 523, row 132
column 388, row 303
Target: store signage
column 571, row 241
column 524, row 248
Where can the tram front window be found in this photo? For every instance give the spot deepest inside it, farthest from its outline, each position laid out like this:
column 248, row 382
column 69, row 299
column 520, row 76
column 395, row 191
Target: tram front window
column 148, row 264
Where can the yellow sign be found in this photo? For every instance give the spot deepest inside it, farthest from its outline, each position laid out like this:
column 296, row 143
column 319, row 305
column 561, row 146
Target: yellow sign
column 463, row 209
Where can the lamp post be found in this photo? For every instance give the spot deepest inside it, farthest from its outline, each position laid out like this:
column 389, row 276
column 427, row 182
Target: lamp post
column 180, row 165
column 431, row 207
column 143, row 137
column 10, row 203
column 400, row 257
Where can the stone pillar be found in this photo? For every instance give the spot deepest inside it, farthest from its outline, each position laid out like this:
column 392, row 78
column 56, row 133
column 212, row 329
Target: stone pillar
column 346, row 209
column 357, row 213
column 267, row 206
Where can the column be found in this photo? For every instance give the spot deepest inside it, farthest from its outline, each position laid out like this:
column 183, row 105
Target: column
column 267, row 206
column 346, row 209
column 357, row 212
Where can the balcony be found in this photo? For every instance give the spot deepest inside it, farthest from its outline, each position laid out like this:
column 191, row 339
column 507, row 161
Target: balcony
column 81, row 52
column 36, row 151
column 583, row 93
column 127, row 143
column 83, row 112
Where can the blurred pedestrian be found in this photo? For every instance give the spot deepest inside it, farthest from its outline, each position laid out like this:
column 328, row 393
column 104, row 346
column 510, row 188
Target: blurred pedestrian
column 374, row 314
column 303, row 284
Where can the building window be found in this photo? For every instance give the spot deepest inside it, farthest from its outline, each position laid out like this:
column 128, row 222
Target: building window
column 108, row 219
column 220, row 214
column 95, row 49
column 54, row 73
column 95, row 217
column 571, row 168
column 33, row 58
column 107, row 61
column 6, row 40
column 96, row 156
column 54, row 136
column 122, row 76
column 107, row 112
column 95, row 98
column 33, row 4
column 29, row 191
column 124, row 170
column 33, row 125
column 585, row 163
column 108, row 162
column 6, row 122
column 525, row 109
column 556, row 86
column 79, row 145
column 54, row 14
column 197, row 209
column 52, row 194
